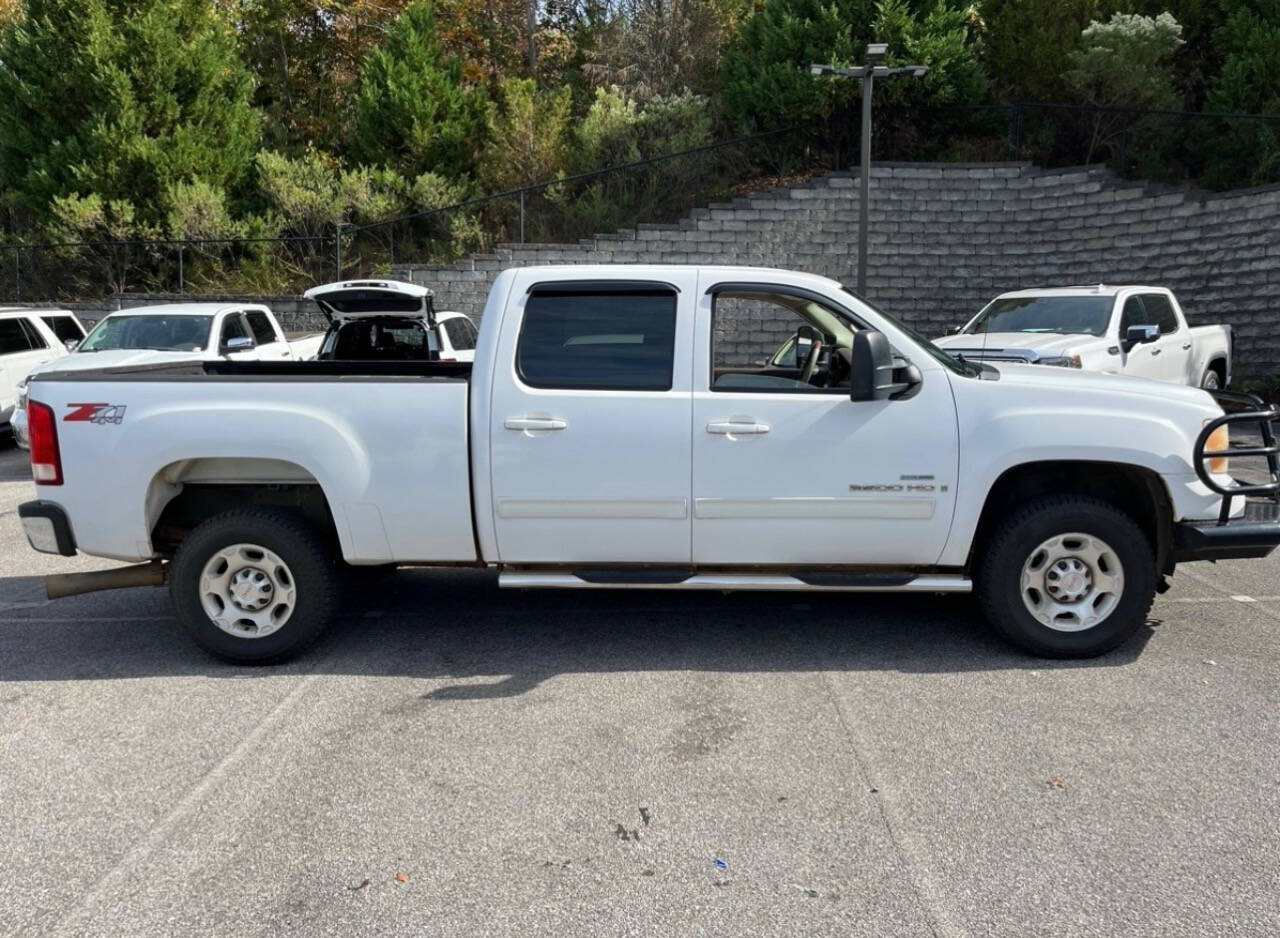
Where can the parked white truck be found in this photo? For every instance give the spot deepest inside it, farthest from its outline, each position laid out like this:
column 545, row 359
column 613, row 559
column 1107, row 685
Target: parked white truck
column 174, row 332
column 613, row 433
column 1130, row 330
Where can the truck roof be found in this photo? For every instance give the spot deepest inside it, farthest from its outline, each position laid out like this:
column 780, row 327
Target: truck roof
column 187, row 309
column 644, row 271
column 1097, row 289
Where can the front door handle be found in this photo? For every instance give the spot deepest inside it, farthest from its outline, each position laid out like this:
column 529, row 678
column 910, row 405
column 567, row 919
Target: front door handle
column 1156, row 351
column 736, row 427
column 535, row 423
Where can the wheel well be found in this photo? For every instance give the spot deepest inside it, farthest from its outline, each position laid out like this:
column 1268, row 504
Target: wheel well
column 1220, row 366
column 184, row 494
column 1138, row 492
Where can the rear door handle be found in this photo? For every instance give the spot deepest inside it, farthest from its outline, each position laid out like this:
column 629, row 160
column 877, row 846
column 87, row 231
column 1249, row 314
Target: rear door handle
column 736, row 427
column 535, row 423
column 1156, row 351
column 1186, row 346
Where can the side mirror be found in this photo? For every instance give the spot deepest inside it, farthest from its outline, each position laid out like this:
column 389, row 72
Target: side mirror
column 872, row 369
column 956, row 330
column 238, row 343
column 72, row 344
column 1139, row 335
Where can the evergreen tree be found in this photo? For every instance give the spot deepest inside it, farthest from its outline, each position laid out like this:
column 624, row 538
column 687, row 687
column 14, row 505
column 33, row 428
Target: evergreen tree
column 413, row 110
column 765, row 73
column 1246, row 152
column 121, row 100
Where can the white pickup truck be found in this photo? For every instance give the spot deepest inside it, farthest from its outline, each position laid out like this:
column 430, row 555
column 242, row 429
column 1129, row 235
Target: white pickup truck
column 1130, row 330
column 617, row 430
column 174, row 332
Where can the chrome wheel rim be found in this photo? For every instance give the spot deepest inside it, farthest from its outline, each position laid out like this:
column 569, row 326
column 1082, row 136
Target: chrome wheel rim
column 247, row 591
column 1072, row 582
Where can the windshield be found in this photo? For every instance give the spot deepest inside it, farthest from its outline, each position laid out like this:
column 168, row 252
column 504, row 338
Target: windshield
column 163, row 333
column 944, row 358
column 1065, row 315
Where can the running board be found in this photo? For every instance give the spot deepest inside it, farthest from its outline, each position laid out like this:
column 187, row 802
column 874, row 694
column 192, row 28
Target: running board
column 818, row 583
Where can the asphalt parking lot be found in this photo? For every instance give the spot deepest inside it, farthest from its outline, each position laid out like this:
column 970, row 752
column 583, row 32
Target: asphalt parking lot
column 455, row 760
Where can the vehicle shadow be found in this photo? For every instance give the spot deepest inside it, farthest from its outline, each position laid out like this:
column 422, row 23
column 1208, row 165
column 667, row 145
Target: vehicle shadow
column 458, row 628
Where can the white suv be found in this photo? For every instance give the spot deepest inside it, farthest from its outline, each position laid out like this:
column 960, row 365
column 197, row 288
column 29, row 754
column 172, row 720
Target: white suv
column 28, row 339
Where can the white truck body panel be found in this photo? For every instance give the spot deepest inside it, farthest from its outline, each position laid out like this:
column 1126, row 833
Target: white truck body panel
column 627, row 476
column 369, row 444
column 1181, row 355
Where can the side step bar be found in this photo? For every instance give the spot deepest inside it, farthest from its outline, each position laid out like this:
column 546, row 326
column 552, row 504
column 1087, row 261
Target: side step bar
column 838, row 583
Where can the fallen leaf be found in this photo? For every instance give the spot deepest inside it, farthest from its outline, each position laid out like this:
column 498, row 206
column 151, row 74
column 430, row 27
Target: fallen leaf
column 1057, row 782
column 402, row 877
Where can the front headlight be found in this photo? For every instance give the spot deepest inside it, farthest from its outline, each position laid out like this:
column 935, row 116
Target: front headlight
column 1062, row 361
column 1219, row 441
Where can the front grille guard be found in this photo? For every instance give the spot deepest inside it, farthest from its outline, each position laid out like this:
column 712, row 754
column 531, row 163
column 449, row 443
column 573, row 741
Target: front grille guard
column 1240, row 408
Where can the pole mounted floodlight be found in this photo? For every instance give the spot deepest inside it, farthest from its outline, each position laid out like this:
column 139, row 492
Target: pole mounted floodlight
column 866, row 73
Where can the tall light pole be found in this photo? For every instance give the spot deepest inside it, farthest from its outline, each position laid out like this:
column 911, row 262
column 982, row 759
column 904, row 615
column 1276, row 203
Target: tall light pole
column 867, row 73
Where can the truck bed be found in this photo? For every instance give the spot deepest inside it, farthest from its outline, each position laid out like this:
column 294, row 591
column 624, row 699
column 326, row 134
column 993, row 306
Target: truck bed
column 387, row 443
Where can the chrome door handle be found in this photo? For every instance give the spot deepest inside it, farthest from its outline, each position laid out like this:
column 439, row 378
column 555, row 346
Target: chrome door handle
column 535, row 423
column 735, row 427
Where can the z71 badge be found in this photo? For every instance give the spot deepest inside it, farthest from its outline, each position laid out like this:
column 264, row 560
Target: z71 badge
column 95, row 413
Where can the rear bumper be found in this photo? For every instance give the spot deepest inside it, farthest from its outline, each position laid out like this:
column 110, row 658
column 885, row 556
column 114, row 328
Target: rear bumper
column 47, row 528
column 1256, row 533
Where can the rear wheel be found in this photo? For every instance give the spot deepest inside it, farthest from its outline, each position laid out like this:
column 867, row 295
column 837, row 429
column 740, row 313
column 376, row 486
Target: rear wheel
column 1067, row 577
column 254, row 585
column 1211, row 381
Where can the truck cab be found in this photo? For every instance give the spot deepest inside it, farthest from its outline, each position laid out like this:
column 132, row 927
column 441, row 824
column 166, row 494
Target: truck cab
column 631, row 426
column 1139, row 331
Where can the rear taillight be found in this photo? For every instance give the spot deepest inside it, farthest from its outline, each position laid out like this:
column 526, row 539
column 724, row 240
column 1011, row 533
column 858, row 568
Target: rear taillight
column 42, row 431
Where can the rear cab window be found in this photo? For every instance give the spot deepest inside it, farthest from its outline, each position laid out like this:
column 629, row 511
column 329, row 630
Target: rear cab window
column 602, row 339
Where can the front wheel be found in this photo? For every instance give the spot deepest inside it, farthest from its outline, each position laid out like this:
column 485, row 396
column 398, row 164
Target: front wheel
column 1067, row 577
column 254, row 585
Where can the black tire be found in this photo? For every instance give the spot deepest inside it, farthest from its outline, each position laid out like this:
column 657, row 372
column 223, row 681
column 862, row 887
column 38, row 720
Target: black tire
column 1211, row 380
column 297, row 543
column 999, row 575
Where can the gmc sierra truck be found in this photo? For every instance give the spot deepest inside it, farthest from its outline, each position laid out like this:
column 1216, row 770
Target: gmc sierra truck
column 618, row 430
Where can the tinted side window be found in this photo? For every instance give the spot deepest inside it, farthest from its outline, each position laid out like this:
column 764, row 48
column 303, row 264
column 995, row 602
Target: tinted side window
column 604, row 341
column 13, row 338
column 233, row 328
column 64, row 327
column 1161, row 312
column 261, row 326
column 33, row 334
column 461, row 336
column 1134, row 314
